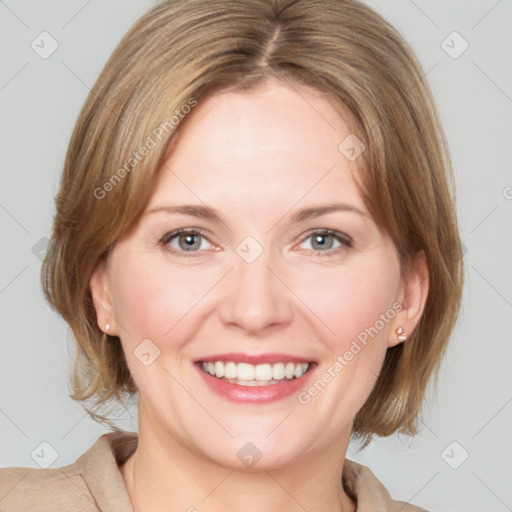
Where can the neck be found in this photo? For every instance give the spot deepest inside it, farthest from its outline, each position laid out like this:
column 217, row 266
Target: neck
column 164, row 473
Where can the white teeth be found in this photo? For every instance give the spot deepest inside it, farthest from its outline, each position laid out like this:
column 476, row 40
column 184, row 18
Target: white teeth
column 290, row 370
column 278, row 371
column 263, row 372
column 255, row 375
column 229, row 370
column 300, row 370
column 245, row 371
column 219, row 369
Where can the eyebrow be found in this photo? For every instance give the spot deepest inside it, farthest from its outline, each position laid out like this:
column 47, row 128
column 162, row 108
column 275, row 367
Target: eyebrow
column 205, row 212
column 317, row 211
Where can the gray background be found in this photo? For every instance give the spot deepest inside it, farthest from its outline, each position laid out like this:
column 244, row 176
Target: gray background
column 39, row 102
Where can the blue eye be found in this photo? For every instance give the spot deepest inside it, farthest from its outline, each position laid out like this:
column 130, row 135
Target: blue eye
column 193, row 241
column 323, row 241
column 186, row 240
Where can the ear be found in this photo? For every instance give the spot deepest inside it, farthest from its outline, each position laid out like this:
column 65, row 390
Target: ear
column 412, row 296
column 102, row 301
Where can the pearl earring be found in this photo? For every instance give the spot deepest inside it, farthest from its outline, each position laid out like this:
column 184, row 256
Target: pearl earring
column 401, row 334
column 107, row 327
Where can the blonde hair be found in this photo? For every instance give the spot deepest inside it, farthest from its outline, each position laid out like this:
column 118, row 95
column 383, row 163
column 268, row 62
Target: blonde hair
column 181, row 52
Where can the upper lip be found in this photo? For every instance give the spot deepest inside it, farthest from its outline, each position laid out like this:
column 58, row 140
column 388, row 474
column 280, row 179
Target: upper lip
column 254, row 358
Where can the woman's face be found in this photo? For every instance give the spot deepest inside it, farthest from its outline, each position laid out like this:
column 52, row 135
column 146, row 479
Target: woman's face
column 256, row 258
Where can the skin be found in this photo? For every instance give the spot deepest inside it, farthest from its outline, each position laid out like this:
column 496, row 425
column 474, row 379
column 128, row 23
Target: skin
column 256, row 157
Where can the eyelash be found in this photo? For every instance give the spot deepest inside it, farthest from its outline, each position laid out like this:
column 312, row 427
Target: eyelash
column 167, row 238
column 342, row 238
column 345, row 240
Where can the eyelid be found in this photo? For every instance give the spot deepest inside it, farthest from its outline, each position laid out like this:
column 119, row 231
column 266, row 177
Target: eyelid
column 166, row 239
column 344, row 239
column 172, row 234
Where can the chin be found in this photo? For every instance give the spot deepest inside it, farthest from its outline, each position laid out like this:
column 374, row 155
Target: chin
column 254, row 456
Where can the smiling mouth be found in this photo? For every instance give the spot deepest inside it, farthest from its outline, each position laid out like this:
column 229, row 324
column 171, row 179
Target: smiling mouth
column 245, row 374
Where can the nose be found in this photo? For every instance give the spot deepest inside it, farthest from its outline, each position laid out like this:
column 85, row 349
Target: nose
column 255, row 299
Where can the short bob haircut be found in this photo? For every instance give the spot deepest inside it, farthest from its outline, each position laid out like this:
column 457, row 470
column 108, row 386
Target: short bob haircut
column 181, row 52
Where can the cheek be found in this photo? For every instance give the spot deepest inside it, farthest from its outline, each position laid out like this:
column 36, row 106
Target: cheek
column 155, row 303
column 357, row 307
column 154, row 299
column 353, row 299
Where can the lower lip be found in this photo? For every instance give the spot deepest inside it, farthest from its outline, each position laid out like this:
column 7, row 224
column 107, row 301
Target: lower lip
column 254, row 394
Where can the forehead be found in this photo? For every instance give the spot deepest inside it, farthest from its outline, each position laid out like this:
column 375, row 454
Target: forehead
column 274, row 143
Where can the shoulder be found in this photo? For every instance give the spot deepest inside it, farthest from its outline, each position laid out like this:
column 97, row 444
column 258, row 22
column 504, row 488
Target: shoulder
column 23, row 489
column 92, row 483
column 369, row 492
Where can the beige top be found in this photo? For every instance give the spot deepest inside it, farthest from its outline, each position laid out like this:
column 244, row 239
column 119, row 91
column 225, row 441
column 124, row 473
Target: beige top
column 94, row 483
